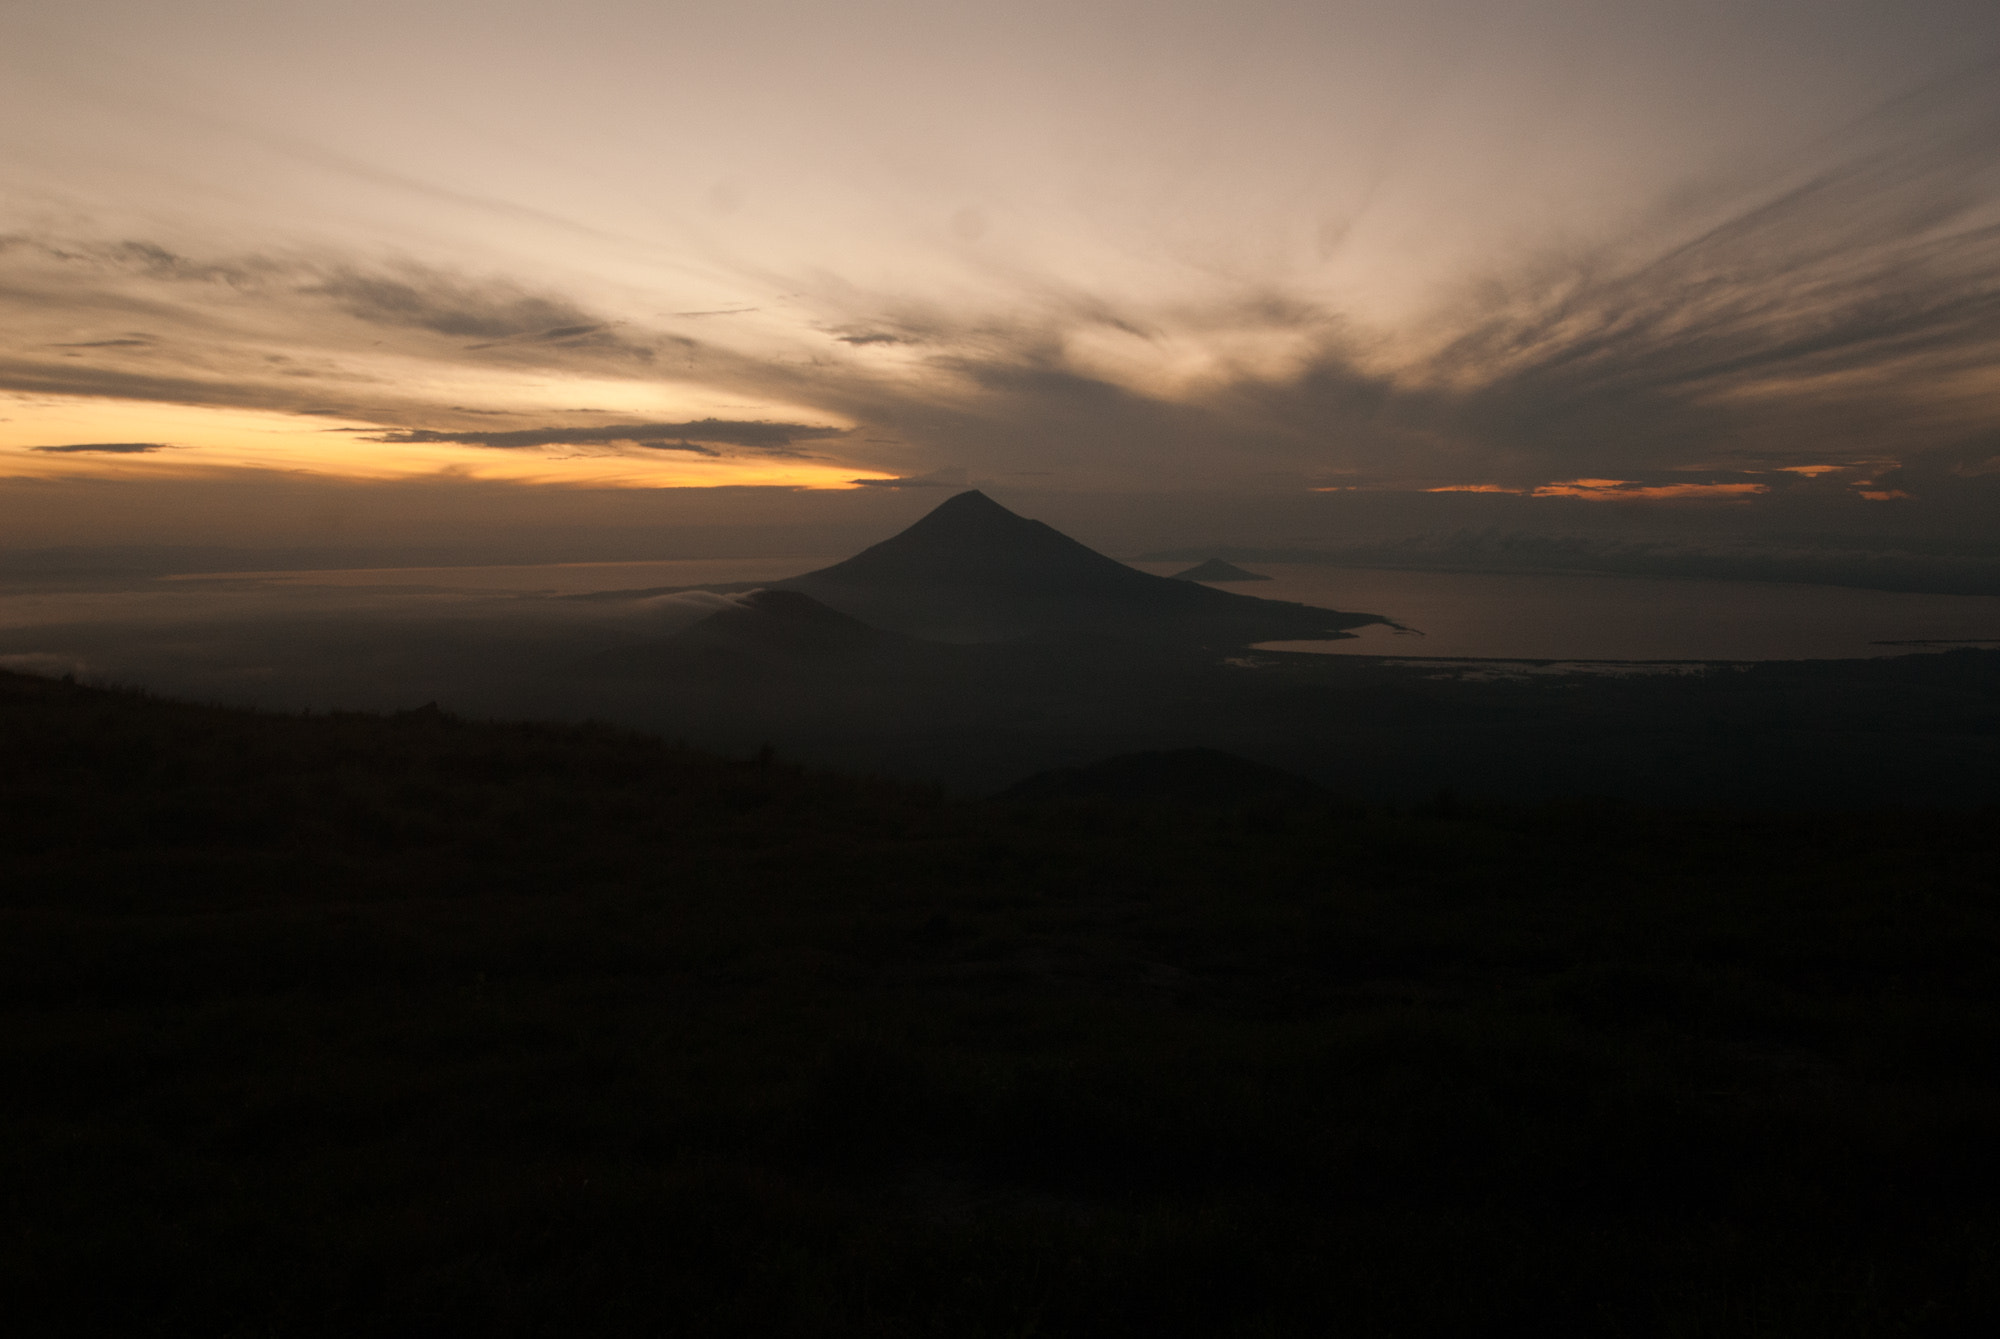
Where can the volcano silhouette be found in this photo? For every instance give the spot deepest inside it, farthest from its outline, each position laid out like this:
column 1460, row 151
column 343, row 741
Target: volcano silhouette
column 973, row 571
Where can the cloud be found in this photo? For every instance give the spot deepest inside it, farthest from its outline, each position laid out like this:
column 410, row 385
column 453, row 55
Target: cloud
column 497, row 312
column 158, row 262
column 946, row 478
column 107, row 448
column 268, row 343
column 1849, row 312
column 1630, row 490
column 773, row 438
column 560, row 335
column 426, row 300
column 1857, row 305
column 228, row 386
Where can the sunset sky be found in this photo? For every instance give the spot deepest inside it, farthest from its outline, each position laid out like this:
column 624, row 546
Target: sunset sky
column 1727, row 253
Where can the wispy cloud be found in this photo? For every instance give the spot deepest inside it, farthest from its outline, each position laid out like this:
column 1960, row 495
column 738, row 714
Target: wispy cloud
column 777, row 438
column 1856, row 307
column 496, row 312
column 946, row 478
column 105, row 448
column 425, row 300
column 864, row 338
column 1850, row 312
column 303, row 332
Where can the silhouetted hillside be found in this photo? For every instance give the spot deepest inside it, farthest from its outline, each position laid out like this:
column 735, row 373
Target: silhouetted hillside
column 1914, row 729
column 356, row 1024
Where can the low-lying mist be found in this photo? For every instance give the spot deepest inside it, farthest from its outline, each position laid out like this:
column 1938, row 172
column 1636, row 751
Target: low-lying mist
column 286, row 646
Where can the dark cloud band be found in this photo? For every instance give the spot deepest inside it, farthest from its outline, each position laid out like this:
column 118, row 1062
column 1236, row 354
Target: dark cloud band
column 104, row 448
column 946, row 478
column 777, row 438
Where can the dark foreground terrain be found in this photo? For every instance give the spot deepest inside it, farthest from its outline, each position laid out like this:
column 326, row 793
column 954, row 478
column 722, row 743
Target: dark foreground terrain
column 401, row 1024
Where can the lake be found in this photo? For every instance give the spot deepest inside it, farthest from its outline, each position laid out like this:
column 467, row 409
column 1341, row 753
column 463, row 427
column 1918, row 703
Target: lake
column 1576, row 617
column 1453, row 614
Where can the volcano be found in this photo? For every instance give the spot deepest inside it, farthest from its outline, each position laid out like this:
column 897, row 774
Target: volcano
column 973, row 571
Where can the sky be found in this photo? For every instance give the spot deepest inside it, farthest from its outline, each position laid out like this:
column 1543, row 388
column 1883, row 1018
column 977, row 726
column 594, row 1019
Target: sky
column 1278, row 267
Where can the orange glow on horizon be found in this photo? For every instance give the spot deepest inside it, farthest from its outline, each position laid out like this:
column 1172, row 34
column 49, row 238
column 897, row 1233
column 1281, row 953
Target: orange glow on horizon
column 1615, row 490
column 1609, row 490
column 41, row 437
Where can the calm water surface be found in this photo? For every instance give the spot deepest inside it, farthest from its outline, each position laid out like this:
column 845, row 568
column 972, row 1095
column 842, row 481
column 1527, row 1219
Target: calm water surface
column 1452, row 614
column 1534, row 617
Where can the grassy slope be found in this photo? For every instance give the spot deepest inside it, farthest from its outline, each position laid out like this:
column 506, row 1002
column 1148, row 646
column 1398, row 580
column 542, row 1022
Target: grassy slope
column 358, row 1024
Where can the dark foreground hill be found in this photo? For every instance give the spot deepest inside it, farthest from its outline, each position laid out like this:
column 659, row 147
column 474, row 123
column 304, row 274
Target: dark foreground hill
column 1196, row 776
column 1919, row 729
column 352, row 1024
